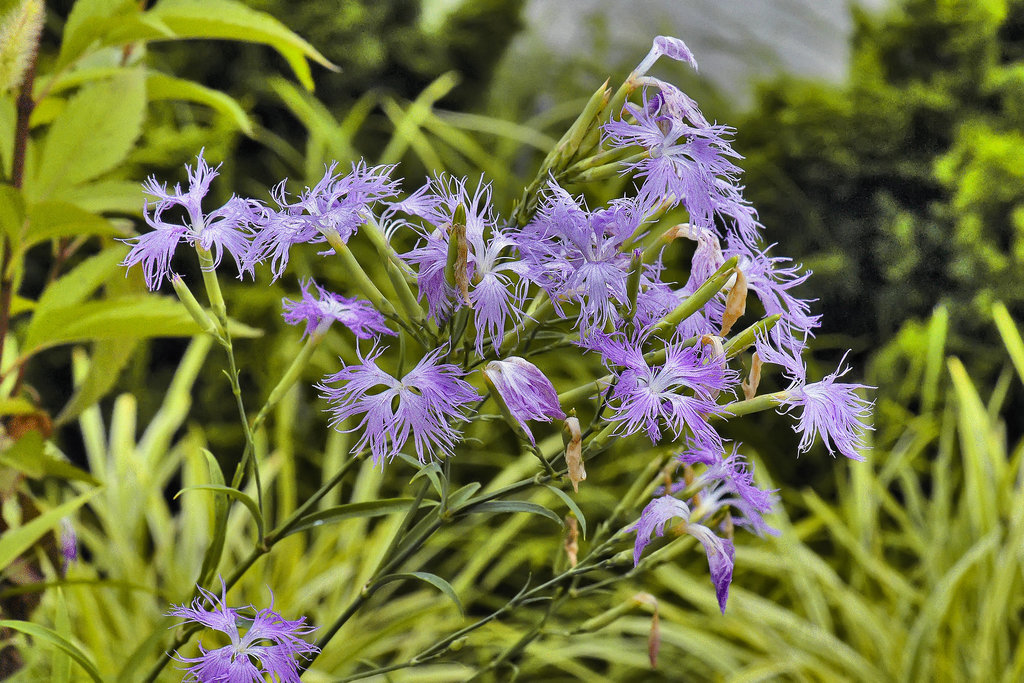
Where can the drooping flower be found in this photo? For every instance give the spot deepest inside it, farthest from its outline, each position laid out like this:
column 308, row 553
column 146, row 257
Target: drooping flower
column 833, row 410
column 320, row 310
column 337, row 205
column 423, row 403
column 270, row 646
column 524, row 391
column 226, row 229
column 493, row 284
column 720, row 551
column 728, row 482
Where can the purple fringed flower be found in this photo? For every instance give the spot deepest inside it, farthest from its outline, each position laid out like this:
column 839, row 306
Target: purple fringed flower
column 525, row 391
column 318, row 312
column 223, row 230
column 270, row 645
column 576, row 255
column 495, row 287
column 833, row 410
column 729, row 482
column 337, row 205
column 421, row 403
column 720, row 551
column 644, row 395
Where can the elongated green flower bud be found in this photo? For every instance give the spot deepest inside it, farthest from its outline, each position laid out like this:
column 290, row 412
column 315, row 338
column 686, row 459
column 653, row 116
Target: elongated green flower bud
column 456, row 269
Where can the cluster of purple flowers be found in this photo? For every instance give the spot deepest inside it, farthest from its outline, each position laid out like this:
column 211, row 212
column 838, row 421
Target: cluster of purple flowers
column 587, row 263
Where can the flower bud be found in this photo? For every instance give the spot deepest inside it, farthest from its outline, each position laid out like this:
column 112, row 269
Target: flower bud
column 19, row 36
column 753, row 379
column 456, row 269
column 523, row 393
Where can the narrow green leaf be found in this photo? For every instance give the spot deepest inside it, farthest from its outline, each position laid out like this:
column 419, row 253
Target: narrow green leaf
column 244, row 498
column 218, row 521
column 572, row 506
column 430, row 470
column 62, row 620
column 109, row 357
column 94, row 133
column 433, row 579
column 492, row 507
column 338, row 513
column 16, row 541
column 161, row 86
column 46, row 635
column 463, row 494
column 1011, row 337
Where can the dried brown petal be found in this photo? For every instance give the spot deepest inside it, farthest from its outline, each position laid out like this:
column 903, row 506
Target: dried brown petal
column 735, row 303
column 574, row 452
column 572, row 546
column 753, row 379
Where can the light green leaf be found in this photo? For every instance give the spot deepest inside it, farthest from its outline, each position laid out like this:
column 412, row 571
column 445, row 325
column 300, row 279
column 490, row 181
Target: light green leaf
column 1011, row 337
column 161, row 86
column 433, row 579
column 218, row 521
column 46, row 635
column 338, row 513
column 105, row 196
column 16, row 541
column 8, row 120
column 244, row 498
column 28, row 455
column 50, row 220
column 492, row 507
column 109, row 356
column 94, row 133
column 88, row 20
column 12, row 214
column 77, row 285
column 16, row 406
column 224, row 19
column 128, row 317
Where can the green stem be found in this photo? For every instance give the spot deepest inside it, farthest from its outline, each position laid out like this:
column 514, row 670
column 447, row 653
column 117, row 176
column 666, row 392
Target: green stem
column 696, row 301
column 362, row 280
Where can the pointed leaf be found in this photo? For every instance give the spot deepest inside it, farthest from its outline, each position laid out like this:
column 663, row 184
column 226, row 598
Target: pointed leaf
column 88, row 20
column 50, row 220
column 109, row 356
column 433, row 579
column 218, row 523
column 492, row 507
column 572, row 506
column 94, row 133
column 338, row 513
column 161, row 86
column 244, row 498
column 46, row 635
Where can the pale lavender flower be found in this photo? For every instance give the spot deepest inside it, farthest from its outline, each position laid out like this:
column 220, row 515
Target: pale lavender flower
column 720, row 551
column 336, row 205
column 524, row 389
column 679, row 393
column 666, row 46
column 496, row 288
column 269, row 646
column 223, row 230
column 68, row 543
column 833, row 410
column 423, row 403
column 320, row 310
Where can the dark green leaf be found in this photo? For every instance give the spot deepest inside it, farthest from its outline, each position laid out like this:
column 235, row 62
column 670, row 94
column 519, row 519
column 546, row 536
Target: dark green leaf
column 492, row 507
column 572, row 506
column 244, row 498
column 433, row 579
column 338, row 513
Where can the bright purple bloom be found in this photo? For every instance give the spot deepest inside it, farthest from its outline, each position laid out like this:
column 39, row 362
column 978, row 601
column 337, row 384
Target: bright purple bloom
column 720, row 551
column 495, row 286
column 576, row 254
column 336, row 205
column 524, row 389
column 833, row 410
column 270, row 645
column 680, row 392
column 422, row 403
column 223, row 230
column 318, row 312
